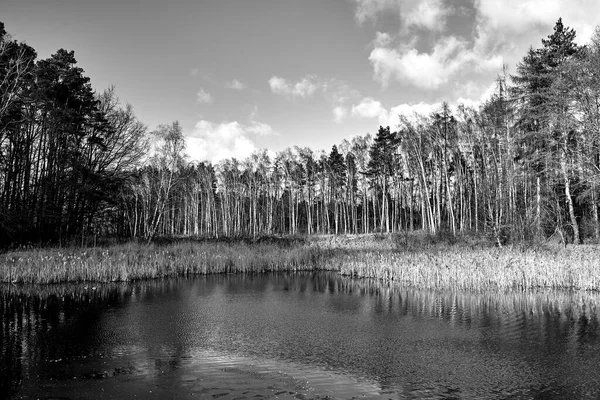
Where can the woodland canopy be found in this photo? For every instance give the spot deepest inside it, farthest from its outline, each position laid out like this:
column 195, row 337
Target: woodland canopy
column 74, row 163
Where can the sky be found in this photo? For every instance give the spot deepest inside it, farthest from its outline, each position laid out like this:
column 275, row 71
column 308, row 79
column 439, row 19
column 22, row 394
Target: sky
column 242, row 75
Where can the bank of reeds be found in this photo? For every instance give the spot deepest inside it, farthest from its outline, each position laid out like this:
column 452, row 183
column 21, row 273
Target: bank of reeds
column 576, row 268
column 139, row 261
column 418, row 261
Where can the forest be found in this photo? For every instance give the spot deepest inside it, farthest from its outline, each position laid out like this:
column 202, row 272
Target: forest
column 76, row 164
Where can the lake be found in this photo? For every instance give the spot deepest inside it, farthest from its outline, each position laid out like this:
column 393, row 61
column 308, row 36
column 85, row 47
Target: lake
column 294, row 336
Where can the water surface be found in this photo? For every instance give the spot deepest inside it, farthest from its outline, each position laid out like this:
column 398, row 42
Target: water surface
column 295, row 336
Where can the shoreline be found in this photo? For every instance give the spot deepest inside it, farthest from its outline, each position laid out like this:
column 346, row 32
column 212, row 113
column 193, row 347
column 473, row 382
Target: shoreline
column 412, row 260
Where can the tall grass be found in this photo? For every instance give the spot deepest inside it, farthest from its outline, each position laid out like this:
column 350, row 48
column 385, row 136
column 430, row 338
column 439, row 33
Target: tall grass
column 413, row 260
column 462, row 268
column 139, row 261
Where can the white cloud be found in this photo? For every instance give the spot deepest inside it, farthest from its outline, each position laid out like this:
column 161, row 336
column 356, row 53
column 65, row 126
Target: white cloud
column 425, row 69
column 473, row 95
column 428, row 14
column 303, row 88
column 260, row 129
column 214, row 142
column 369, row 9
column 338, row 92
column 502, row 32
column 511, row 27
column 279, row 85
column 382, row 39
column 449, row 56
column 194, row 71
column 203, row 97
column 411, row 112
column 507, row 18
column 339, row 114
column 519, row 16
column 371, row 108
column 236, row 85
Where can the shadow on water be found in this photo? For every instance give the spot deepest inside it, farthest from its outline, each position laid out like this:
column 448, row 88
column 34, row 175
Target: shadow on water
column 305, row 335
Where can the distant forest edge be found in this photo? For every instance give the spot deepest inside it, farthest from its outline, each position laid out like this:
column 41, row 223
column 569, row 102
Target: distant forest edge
column 75, row 163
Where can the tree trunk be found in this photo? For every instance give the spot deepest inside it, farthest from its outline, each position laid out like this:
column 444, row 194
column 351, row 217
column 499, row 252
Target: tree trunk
column 574, row 225
column 595, row 213
column 538, row 208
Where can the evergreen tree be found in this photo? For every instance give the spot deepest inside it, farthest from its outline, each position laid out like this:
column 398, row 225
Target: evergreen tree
column 542, row 146
column 381, row 167
column 337, row 182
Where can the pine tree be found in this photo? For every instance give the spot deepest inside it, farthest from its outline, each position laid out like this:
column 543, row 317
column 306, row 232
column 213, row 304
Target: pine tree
column 542, row 107
column 381, row 167
column 337, row 181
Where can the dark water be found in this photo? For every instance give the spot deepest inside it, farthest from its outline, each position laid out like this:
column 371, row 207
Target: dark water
column 294, row 336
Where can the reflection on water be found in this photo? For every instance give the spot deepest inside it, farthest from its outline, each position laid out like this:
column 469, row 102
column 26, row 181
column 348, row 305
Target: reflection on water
column 295, row 335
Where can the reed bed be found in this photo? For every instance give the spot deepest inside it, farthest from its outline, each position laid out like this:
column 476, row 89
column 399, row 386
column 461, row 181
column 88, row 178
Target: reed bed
column 138, row 261
column 415, row 261
column 416, row 241
column 576, row 268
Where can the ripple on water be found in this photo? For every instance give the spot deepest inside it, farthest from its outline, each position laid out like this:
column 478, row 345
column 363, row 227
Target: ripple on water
column 298, row 336
column 201, row 373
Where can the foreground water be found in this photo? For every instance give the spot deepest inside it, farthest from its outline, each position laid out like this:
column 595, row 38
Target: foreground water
column 294, row 336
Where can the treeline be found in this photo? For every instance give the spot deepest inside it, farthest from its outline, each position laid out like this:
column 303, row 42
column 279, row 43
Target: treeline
column 524, row 165
column 64, row 150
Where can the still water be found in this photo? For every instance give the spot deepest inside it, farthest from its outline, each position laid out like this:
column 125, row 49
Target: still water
column 294, row 336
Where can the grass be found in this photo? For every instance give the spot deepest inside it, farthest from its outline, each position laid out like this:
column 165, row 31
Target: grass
column 416, row 260
column 482, row 269
column 139, row 261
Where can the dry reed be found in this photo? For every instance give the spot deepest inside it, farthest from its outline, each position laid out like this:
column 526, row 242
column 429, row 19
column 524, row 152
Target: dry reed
column 418, row 262
column 576, row 268
column 137, row 261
